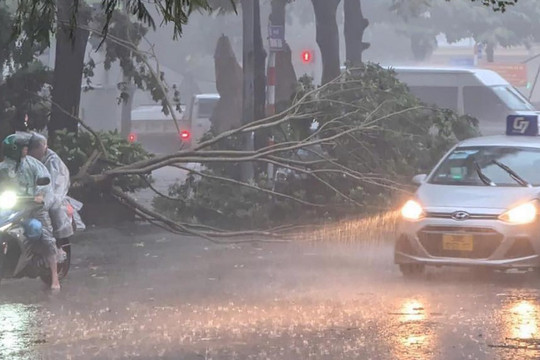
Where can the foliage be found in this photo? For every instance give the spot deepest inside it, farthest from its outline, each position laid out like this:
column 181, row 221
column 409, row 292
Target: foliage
column 40, row 14
column 390, row 135
column 75, row 150
column 121, row 46
column 23, row 79
column 423, row 20
column 24, row 92
column 495, row 5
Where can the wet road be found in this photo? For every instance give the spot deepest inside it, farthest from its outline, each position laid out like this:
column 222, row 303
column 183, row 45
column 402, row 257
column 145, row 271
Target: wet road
column 140, row 293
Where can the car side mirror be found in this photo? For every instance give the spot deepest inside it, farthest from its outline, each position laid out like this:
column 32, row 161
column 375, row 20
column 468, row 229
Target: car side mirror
column 43, row 181
column 419, row 179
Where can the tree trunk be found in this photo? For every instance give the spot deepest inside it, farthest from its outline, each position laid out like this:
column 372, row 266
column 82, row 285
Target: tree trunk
column 355, row 25
column 248, row 67
column 490, row 52
column 277, row 15
column 127, row 106
column 68, row 69
column 327, row 37
column 422, row 45
column 261, row 137
column 285, row 86
column 227, row 114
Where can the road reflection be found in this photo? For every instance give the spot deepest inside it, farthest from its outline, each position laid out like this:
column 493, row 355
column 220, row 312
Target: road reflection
column 17, row 331
column 522, row 320
column 414, row 337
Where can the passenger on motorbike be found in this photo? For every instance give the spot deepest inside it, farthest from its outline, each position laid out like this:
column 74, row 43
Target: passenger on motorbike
column 61, row 211
column 25, row 170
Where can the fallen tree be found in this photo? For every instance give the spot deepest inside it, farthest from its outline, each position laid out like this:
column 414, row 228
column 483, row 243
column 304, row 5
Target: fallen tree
column 372, row 135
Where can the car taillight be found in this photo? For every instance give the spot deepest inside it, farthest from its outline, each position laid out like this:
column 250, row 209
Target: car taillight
column 132, row 137
column 185, row 135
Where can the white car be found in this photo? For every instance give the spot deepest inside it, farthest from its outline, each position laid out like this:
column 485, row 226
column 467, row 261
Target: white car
column 478, row 207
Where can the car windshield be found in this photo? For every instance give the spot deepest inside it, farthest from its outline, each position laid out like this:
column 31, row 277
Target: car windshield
column 460, row 167
column 512, row 98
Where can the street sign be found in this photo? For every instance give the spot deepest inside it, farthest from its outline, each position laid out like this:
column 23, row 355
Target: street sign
column 515, row 74
column 276, row 37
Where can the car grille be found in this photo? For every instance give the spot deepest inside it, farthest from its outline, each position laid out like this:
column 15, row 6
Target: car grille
column 485, row 241
column 441, row 215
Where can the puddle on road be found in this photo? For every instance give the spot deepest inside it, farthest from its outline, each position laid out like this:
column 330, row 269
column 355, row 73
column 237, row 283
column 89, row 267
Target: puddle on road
column 414, row 336
column 19, row 332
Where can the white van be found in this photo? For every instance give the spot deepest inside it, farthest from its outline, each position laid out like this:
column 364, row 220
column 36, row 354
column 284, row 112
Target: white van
column 154, row 130
column 147, row 119
column 480, row 93
column 197, row 118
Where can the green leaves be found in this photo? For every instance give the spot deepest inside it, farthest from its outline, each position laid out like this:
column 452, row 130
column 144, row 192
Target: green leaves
column 75, row 150
column 497, row 5
column 21, row 93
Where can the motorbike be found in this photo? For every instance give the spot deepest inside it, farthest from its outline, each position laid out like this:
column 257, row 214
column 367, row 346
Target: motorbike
column 15, row 261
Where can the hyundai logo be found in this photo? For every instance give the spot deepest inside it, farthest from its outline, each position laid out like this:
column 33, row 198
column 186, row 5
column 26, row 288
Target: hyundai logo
column 460, row 215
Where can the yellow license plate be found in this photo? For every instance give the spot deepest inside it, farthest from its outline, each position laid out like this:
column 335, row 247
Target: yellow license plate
column 457, row 242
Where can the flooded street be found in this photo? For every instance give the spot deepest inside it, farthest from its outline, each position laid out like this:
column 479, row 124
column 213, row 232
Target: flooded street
column 141, row 293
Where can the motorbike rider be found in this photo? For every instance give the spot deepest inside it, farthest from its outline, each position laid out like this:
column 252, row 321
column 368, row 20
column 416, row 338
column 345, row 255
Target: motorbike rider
column 26, row 170
column 60, row 210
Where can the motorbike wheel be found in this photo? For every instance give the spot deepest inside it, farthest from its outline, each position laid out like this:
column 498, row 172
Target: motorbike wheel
column 63, row 268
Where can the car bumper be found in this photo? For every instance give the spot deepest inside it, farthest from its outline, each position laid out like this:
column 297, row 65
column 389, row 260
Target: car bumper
column 494, row 243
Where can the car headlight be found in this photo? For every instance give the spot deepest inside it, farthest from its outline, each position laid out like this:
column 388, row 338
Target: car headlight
column 412, row 210
column 8, row 199
column 522, row 214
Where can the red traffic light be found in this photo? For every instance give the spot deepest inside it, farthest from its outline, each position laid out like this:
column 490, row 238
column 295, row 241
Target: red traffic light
column 132, row 137
column 307, row 56
column 185, row 135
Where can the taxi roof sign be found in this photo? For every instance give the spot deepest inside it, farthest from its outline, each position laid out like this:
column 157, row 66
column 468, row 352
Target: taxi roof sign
column 522, row 125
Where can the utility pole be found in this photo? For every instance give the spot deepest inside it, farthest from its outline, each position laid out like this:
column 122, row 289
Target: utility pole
column 248, row 66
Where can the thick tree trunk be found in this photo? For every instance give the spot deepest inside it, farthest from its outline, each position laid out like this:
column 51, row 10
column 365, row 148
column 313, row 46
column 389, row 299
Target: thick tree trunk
column 422, row 46
column 227, row 114
column 286, row 79
column 327, row 37
column 68, row 69
column 355, row 25
column 285, row 75
column 277, row 15
column 250, row 12
column 125, row 115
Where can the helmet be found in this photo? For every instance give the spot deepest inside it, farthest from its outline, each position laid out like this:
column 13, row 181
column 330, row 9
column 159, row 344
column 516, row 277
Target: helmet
column 12, row 146
column 33, row 229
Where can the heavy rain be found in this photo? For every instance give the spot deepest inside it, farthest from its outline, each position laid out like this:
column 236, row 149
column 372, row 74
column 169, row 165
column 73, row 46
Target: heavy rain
column 269, row 179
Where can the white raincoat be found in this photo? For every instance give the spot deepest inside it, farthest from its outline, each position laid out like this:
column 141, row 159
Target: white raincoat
column 61, row 220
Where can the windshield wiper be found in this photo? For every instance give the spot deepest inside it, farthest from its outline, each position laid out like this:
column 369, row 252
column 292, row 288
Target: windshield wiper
column 513, row 174
column 483, row 176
